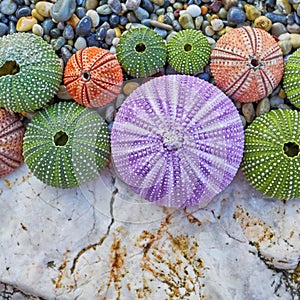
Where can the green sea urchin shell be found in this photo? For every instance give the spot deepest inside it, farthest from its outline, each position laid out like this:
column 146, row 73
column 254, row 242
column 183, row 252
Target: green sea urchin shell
column 30, row 72
column 188, row 51
column 66, row 145
column 291, row 78
column 141, row 52
column 271, row 159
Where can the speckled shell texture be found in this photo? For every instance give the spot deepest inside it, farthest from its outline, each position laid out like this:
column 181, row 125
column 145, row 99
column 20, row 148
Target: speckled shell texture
column 247, row 64
column 38, row 77
column 188, row 51
column 141, row 52
column 266, row 164
column 11, row 140
column 74, row 162
column 93, row 77
column 177, row 140
column 291, row 78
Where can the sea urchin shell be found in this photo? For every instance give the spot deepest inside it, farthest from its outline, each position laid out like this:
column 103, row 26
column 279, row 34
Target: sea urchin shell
column 141, row 52
column 93, row 77
column 247, row 64
column 177, row 140
column 30, row 72
column 66, row 145
column 11, row 140
column 291, row 78
column 188, row 51
column 271, row 160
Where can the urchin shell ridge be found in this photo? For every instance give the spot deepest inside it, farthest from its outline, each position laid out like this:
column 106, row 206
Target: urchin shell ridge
column 271, row 159
column 79, row 158
column 38, row 77
column 188, row 51
column 141, row 52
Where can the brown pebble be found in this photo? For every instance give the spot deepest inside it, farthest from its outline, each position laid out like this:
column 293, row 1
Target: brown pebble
column 73, row 21
column 161, row 25
column 204, row 10
column 215, row 6
column 282, row 94
column 129, row 87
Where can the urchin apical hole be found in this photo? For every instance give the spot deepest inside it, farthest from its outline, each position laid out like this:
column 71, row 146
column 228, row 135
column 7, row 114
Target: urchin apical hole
column 60, row 138
column 140, row 47
column 187, row 47
column 10, row 67
column 254, row 62
column 86, row 76
column 291, row 149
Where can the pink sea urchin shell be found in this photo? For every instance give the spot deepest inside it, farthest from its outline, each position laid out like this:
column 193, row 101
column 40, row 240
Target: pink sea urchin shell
column 247, row 64
column 177, row 140
column 11, row 140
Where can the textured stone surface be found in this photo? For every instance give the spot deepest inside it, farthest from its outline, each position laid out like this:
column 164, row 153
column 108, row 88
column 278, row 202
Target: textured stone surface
column 102, row 241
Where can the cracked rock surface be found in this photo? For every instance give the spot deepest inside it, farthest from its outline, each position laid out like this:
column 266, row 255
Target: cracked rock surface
column 101, row 241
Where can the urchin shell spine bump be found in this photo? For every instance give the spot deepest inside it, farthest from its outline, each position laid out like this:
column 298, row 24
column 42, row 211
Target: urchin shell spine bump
column 271, row 159
column 247, row 64
column 141, row 52
column 11, row 141
column 93, row 77
column 188, row 51
column 30, row 72
column 66, row 145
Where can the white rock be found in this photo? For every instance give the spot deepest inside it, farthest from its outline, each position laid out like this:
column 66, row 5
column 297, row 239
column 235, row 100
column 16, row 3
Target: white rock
column 95, row 18
column 194, row 10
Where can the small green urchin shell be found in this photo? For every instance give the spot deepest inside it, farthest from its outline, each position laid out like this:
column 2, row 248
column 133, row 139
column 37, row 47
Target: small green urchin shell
column 141, row 52
column 271, row 159
column 291, row 78
column 188, row 51
column 30, row 72
column 66, row 145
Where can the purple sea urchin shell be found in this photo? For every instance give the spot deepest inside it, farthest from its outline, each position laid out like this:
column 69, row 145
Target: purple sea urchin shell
column 177, row 140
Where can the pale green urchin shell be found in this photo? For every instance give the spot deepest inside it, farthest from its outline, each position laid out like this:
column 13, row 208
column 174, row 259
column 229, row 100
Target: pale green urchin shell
column 66, row 145
column 291, row 78
column 188, row 51
column 30, row 72
column 271, row 159
column 141, row 52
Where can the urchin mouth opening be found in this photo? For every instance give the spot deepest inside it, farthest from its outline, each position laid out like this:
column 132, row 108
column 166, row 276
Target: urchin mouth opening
column 10, row 67
column 291, row 149
column 140, row 47
column 254, row 62
column 60, row 138
column 86, row 75
column 187, row 47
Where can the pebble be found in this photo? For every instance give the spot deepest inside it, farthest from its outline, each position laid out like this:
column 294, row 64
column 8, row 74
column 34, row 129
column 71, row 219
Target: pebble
column 285, row 46
column 104, row 10
column 58, row 43
column 248, row 111
column 47, row 26
column 278, row 29
column 186, row 21
column 3, row 29
column 284, row 36
column 65, row 54
column 25, row 24
column 63, row 93
column 132, row 4
column 275, row 101
column 68, row 32
column 8, row 7
column 94, row 17
column 295, row 40
column 62, row 10
column 194, row 10
column 162, row 32
column 236, row 16
column 294, row 28
column 80, row 43
column 37, row 29
column 146, row 4
column 263, row 106
column 129, row 87
column 284, row 106
column 80, row 12
column 161, row 25
column 263, row 22
column 73, row 21
column 176, row 25
column 158, row 2
column 43, row 8
column 35, row 14
column 84, row 26
column 115, row 6
column 141, row 13
column 198, row 22
column 217, row 24
column 110, row 35
column 90, row 4
column 276, row 18
column 23, row 11
column 284, row 6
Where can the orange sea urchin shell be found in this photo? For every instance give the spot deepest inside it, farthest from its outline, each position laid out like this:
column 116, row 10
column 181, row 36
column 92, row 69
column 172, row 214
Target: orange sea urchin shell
column 93, row 77
column 247, row 64
column 11, row 141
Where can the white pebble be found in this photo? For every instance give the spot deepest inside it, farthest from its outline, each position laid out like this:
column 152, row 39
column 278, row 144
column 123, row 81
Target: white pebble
column 94, row 17
column 115, row 41
column 284, row 37
column 194, row 10
column 209, row 31
column 37, row 29
column 217, row 24
column 80, row 43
